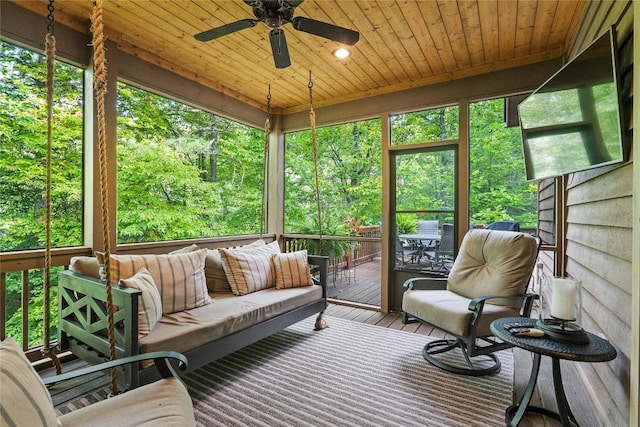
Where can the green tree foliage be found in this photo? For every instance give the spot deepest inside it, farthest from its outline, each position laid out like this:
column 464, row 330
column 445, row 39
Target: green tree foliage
column 438, row 124
column 184, row 173
column 425, row 181
column 498, row 189
column 23, row 141
column 349, row 169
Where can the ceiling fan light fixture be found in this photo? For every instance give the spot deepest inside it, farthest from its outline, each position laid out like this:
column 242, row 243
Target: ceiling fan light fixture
column 341, row 53
column 275, row 14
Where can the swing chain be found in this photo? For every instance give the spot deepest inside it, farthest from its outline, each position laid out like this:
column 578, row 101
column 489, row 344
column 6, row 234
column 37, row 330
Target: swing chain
column 265, row 159
column 50, row 18
column 269, row 101
column 310, row 85
column 312, row 119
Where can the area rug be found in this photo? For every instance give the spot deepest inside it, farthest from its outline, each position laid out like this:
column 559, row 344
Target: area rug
column 350, row 374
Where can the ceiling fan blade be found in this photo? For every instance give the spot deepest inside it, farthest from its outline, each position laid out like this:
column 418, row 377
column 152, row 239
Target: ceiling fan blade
column 326, row 30
column 214, row 33
column 279, row 48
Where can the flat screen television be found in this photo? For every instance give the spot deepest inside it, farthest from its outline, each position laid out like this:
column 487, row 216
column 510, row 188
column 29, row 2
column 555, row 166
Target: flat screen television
column 573, row 121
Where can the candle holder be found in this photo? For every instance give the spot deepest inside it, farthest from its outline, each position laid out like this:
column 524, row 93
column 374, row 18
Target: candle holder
column 560, row 308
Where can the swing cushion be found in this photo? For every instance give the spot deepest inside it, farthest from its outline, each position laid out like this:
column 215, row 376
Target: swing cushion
column 24, row 400
column 250, row 271
column 292, row 270
column 150, row 304
column 179, row 277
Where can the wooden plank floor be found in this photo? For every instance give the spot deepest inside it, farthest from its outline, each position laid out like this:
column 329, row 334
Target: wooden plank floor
column 362, row 285
column 544, row 395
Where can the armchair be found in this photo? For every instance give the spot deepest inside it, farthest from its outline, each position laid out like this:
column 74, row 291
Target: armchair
column 488, row 280
column 25, row 400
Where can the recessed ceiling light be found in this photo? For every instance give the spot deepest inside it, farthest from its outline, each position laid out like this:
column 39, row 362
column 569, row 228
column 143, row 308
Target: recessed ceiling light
column 341, row 53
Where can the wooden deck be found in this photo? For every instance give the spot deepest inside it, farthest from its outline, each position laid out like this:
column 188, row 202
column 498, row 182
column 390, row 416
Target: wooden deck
column 361, row 284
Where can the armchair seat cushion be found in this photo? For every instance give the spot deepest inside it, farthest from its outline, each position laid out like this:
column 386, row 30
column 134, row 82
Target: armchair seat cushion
column 450, row 311
column 165, row 402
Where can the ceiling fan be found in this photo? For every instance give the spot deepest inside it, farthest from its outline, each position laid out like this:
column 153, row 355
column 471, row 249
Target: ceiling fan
column 276, row 13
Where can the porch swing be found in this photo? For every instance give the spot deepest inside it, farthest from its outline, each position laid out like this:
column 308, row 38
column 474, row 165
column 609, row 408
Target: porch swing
column 25, row 398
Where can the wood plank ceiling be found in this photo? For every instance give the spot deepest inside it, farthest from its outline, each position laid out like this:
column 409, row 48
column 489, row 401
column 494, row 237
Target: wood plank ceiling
column 403, row 43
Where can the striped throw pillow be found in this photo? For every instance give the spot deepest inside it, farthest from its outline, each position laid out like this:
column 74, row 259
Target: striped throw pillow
column 250, row 271
column 292, row 270
column 179, row 278
column 150, row 304
column 25, row 400
column 214, row 270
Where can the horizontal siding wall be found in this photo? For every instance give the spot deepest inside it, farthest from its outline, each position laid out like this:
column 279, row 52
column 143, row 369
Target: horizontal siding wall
column 599, row 209
column 547, row 211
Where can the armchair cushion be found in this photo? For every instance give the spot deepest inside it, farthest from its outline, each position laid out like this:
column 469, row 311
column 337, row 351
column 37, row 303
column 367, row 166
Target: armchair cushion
column 450, row 311
column 492, row 262
column 24, row 400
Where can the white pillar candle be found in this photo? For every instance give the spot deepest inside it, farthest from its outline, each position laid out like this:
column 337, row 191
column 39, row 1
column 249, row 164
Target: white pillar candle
column 563, row 299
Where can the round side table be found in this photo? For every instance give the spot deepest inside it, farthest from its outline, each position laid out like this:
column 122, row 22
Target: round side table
column 597, row 350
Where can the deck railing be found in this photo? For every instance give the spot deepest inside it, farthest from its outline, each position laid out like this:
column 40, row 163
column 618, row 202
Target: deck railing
column 24, row 270
column 344, row 252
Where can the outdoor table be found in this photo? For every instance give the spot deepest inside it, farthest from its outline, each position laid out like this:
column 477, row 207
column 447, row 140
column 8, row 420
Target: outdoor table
column 597, row 350
column 420, row 238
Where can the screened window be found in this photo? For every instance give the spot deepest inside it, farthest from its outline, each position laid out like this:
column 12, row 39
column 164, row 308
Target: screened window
column 184, row 172
column 23, row 140
column 349, row 164
column 498, row 189
column 438, row 124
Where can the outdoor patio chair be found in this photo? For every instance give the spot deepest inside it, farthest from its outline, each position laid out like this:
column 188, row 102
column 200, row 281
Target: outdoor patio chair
column 444, row 250
column 428, row 227
column 403, row 251
column 488, row 280
column 504, row 225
